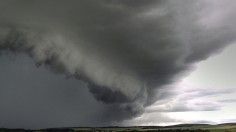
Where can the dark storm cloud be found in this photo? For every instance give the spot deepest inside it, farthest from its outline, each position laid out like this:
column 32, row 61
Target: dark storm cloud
column 32, row 97
column 125, row 50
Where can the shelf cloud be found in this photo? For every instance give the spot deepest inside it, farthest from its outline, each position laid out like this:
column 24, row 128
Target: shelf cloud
column 126, row 51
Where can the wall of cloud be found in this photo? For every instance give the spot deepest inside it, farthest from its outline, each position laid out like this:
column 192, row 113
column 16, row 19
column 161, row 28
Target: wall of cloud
column 125, row 50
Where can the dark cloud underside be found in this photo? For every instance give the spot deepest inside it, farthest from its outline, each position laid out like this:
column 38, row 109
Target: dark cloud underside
column 125, row 51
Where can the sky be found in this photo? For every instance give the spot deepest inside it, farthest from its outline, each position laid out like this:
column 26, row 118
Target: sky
column 101, row 63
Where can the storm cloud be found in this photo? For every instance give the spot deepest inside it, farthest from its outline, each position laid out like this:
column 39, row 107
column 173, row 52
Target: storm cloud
column 126, row 51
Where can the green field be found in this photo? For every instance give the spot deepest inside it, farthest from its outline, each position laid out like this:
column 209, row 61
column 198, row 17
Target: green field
column 183, row 127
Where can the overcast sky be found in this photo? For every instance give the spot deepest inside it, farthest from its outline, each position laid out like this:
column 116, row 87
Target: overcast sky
column 70, row 63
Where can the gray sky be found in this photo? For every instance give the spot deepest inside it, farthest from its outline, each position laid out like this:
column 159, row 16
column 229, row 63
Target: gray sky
column 100, row 63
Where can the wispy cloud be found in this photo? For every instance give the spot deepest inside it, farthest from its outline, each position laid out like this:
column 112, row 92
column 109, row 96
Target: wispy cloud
column 190, row 98
column 228, row 101
column 183, row 98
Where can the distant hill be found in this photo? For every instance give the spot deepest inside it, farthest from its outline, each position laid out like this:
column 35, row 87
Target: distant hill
column 188, row 125
column 229, row 127
column 231, row 124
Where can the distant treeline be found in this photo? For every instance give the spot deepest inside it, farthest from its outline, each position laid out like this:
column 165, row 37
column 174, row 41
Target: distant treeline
column 178, row 130
column 42, row 130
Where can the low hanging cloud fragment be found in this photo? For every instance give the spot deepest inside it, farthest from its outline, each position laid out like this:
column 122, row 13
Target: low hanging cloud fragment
column 125, row 50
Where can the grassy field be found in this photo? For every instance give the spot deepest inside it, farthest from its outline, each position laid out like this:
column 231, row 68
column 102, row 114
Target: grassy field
column 184, row 127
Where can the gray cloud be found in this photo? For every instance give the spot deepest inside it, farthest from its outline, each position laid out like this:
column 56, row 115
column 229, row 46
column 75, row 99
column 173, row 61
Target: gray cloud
column 206, row 92
column 181, row 98
column 228, row 101
column 210, row 107
column 32, row 97
column 125, row 51
column 182, row 106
